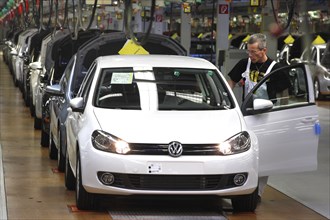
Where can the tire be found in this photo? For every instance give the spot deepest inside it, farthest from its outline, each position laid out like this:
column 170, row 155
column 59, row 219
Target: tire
column 60, row 156
column 15, row 82
column 37, row 123
column 84, row 199
column 245, row 203
column 52, row 148
column 26, row 96
column 44, row 140
column 32, row 108
column 69, row 179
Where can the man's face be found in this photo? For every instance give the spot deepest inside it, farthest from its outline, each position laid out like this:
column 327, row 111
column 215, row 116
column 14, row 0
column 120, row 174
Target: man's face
column 256, row 55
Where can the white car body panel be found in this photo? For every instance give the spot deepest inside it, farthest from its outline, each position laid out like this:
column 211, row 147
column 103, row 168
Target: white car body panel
column 33, row 84
column 291, row 133
column 181, row 127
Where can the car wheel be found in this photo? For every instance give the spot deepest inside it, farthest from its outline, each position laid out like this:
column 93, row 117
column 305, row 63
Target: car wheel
column 15, row 82
column 37, row 123
column 52, row 148
column 27, row 98
column 245, row 203
column 60, row 156
column 32, row 108
column 44, row 142
column 84, row 199
column 317, row 92
column 69, row 179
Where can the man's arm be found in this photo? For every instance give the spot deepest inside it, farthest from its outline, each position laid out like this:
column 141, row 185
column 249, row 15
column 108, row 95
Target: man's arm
column 231, row 83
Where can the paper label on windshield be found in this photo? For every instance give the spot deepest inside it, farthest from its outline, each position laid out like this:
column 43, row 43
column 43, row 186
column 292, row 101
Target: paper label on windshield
column 122, row 78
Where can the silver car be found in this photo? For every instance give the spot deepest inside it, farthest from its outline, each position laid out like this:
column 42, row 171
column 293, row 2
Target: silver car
column 319, row 61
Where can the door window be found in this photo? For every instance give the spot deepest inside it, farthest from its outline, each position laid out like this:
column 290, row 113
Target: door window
column 87, row 82
column 286, row 87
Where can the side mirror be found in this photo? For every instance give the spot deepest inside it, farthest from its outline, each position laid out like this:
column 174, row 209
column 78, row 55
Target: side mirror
column 77, row 104
column 260, row 106
column 54, row 90
column 13, row 53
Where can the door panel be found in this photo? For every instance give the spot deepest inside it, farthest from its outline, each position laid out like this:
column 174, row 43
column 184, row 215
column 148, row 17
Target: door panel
column 288, row 133
column 287, row 141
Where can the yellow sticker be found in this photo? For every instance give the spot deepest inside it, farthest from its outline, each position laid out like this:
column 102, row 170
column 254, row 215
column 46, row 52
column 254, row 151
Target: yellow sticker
column 318, row 40
column 246, row 38
column 289, row 39
column 131, row 48
column 174, row 36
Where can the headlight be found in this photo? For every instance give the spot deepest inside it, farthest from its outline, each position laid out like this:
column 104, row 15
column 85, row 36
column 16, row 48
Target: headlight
column 106, row 142
column 237, row 144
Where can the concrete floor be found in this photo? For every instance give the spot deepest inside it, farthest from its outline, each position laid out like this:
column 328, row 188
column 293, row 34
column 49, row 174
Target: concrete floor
column 312, row 189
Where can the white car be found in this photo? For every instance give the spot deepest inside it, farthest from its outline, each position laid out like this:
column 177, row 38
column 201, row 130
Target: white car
column 170, row 125
column 19, row 55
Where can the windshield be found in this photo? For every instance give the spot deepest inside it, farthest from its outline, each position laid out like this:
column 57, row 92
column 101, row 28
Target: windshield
column 165, row 88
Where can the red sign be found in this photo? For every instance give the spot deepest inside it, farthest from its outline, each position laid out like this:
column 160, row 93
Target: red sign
column 223, row 9
column 159, row 18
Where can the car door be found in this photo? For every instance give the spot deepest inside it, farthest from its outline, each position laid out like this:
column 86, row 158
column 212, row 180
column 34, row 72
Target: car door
column 288, row 129
column 74, row 121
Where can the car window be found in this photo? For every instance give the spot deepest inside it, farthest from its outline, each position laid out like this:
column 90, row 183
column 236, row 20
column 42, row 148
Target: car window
column 314, row 55
column 66, row 76
column 190, row 89
column 87, row 82
column 174, row 89
column 116, row 89
column 326, row 57
column 285, row 87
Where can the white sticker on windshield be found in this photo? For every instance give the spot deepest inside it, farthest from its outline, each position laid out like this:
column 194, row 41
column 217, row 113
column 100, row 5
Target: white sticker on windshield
column 122, row 78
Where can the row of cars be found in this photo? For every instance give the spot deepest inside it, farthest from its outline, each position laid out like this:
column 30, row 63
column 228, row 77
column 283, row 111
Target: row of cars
column 317, row 56
column 124, row 119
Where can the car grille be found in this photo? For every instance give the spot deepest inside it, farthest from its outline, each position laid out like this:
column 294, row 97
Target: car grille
column 173, row 182
column 162, row 149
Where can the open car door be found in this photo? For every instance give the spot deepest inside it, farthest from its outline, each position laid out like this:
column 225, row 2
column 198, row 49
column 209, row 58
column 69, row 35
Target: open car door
column 281, row 111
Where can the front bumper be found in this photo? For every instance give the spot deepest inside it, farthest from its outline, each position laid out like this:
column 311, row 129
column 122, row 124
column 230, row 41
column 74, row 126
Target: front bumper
column 164, row 175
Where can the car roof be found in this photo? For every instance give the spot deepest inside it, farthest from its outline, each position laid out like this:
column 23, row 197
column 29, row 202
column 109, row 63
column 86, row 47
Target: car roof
column 153, row 61
column 320, row 45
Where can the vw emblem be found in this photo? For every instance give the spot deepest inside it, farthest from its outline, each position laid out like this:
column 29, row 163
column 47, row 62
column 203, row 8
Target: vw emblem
column 175, row 149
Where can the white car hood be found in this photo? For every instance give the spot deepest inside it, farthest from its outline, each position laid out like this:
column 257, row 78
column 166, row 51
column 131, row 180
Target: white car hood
column 165, row 126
